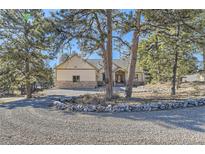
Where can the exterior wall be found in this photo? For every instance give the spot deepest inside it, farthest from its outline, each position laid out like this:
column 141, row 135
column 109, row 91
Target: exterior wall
column 193, row 78
column 89, row 76
column 201, row 78
column 140, row 77
column 76, row 67
column 67, row 75
column 126, row 76
column 75, row 62
column 100, row 77
column 140, row 80
column 81, row 84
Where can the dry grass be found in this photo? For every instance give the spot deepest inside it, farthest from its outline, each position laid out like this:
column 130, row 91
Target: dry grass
column 2, row 102
column 95, row 99
column 10, row 99
column 147, row 94
column 162, row 91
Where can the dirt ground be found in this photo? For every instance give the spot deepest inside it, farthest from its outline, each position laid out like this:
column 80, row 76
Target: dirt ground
column 142, row 94
column 162, row 91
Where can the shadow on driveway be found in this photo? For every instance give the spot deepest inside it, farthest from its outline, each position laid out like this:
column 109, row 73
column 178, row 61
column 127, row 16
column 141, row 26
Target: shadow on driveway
column 189, row 118
column 42, row 102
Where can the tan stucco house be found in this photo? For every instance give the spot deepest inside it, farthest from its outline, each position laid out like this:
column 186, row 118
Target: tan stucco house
column 76, row 72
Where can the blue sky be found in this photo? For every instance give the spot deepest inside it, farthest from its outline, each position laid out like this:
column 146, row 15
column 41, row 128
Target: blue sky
column 116, row 54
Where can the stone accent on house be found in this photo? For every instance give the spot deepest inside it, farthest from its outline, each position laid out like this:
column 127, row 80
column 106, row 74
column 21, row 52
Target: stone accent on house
column 80, row 84
column 138, row 83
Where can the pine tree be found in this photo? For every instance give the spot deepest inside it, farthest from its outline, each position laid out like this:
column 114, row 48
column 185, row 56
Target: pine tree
column 179, row 28
column 92, row 30
column 133, row 55
column 25, row 43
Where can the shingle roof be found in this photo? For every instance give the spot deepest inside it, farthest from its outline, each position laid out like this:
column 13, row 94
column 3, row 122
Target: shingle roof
column 119, row 62
column 123, row 63
column 98, row 63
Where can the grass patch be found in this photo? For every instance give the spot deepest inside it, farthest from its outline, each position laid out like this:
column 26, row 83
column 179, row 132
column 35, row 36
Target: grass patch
column 8, row 100
column 2, row 102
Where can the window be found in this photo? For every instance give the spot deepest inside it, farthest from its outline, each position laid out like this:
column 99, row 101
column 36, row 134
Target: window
column 137, row 77
column 76, row 78
column 103, row 76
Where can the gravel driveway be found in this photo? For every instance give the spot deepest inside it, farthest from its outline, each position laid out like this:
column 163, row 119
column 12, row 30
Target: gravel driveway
column 32, row 122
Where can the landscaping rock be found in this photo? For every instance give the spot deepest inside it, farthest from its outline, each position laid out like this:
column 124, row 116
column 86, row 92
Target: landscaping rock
column 185, row 104
column 59, row 105
column 90, row 108
column 98, row 106
column 154, row 105
column 108, row 108
column 196, row 103
column 176, row 105
column 169, row 106
column 201, row 102
column 78, row 108
column 162, row 106
column 146, row 107
column 135, row 108
column 121, row 108
column 67, row 99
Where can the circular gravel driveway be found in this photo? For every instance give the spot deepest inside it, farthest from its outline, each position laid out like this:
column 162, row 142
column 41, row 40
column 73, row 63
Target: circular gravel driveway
column 33, row 122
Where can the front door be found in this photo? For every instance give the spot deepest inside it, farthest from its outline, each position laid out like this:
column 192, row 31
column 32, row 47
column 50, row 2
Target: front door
column 119, row 77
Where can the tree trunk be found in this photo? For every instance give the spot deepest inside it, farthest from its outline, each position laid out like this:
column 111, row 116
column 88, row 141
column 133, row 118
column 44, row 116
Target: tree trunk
column 106, row 53
column 173, row 92
column 204, row 59
column 173, row 89
column 28, row 84
column 22, row 90
column 108, row 57
column 133, row 55
column 178, row 82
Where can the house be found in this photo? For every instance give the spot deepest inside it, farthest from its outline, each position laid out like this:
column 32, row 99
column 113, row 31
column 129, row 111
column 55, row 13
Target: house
column 76, row 72
column 197, row 77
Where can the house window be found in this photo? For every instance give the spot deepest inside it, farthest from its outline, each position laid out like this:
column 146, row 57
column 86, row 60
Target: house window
column 103, row 76
column 76, row 78
column 137, row 77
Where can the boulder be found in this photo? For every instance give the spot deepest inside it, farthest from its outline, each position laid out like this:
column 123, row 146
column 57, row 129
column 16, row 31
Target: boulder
column 201, row 102
column 154, row 105
column 135, row 107
column 66, row 99
column 59, row 105
column 108, row 108
column 100, row 108
column 146, row 107
column 120, row 108
column 89, row 108
column 162, row 106
column 176, row 105
column 169, row 106
column 78, row 108
column 185, row 104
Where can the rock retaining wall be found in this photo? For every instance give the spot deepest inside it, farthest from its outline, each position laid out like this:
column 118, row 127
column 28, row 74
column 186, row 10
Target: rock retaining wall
column 125, row 107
